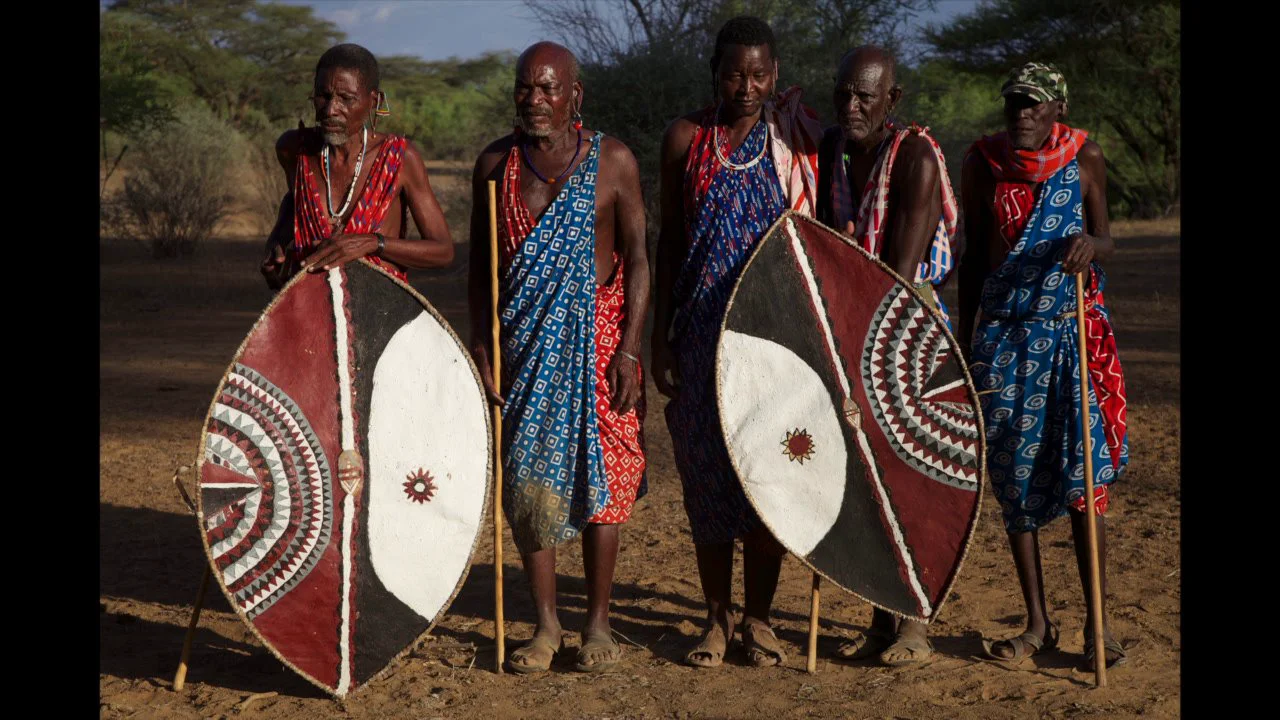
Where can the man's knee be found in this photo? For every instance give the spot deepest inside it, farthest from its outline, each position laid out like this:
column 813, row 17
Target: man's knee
column 762, row 541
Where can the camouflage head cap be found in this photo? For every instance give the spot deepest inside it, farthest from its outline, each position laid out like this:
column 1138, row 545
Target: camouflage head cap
column 1038, row 81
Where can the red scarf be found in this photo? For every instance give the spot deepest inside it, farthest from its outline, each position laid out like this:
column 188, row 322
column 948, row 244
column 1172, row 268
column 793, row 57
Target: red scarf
column 1009, row 163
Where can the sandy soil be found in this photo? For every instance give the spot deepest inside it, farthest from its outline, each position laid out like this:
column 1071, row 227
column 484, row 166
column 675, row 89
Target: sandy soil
column 168, row 329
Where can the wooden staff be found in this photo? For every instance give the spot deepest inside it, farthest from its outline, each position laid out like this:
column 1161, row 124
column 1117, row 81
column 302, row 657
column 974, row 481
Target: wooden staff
column 495, row 360
column 813, row 625
column 180, row 677
column 1095, row 595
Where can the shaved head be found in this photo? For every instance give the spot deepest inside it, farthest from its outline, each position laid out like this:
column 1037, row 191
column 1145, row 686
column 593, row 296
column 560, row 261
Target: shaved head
column 553, row 54
column 867, row 56
column 548, row 92
column 866, row 93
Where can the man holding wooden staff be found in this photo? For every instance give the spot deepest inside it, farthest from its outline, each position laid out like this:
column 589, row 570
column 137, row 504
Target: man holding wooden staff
column 1035, row 210
column 573, row 284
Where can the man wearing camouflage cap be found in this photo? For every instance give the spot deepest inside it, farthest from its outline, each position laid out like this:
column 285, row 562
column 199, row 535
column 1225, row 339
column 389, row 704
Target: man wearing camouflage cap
column 1035, row 209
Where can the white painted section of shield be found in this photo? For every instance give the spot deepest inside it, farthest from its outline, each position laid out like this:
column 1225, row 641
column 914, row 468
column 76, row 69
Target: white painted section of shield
column 766, row 390
column 426, row 413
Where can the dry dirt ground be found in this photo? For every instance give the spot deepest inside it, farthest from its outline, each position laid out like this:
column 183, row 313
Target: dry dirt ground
column 168, row 329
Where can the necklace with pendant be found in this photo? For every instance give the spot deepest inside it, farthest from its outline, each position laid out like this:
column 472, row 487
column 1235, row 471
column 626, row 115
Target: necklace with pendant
column 328, row 186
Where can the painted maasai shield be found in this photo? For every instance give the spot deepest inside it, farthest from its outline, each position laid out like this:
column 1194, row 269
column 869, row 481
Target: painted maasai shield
column 850, row 418
column 343, row 473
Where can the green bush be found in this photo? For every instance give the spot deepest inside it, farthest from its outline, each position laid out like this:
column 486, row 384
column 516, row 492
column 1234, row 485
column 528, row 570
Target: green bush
column 180, row 184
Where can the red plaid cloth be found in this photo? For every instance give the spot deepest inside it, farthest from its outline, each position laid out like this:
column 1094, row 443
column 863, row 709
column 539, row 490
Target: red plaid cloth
column 310, row 217
column 797, row 133
column 621, row 437
column 870, row 215
column 1008, row 163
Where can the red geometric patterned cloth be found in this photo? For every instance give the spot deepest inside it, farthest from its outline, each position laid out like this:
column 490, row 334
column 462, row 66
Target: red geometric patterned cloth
column 310, row 217
column 1011, row 206
column 621, row 437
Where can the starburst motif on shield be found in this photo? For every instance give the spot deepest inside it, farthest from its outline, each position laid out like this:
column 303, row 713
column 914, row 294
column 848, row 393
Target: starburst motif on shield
column 420, row 486
column 798, row 445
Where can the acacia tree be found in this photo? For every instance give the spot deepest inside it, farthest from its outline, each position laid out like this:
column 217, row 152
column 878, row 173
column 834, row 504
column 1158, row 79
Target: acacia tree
column 130, row 99
column 645, row 62
column 251, row 62
column 1122, row 62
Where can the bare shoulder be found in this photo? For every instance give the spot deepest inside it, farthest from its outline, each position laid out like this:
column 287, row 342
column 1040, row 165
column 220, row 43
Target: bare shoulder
column 615, row 155
column 291, row 144
column 1091, row 151
column 679, row 134
column 413, row 159
column 413, row 152
column 916, row 153
column 1092, row 162
column 491, row 155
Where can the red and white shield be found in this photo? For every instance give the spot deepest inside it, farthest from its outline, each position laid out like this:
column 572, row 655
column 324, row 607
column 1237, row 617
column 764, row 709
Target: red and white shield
column 343, row 473
column 850, row 418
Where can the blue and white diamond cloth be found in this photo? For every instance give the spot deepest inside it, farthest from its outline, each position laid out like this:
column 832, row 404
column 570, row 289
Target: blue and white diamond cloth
column 1026, row 365
column 553, row 462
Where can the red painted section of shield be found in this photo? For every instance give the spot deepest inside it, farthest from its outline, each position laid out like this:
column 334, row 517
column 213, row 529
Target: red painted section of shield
column 293, row 346
column 934, row 517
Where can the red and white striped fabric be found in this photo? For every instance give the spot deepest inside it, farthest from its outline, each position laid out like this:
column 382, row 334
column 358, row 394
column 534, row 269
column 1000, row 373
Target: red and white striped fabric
column 796, row 134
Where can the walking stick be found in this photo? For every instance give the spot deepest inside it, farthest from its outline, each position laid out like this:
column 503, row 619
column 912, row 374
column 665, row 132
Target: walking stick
column 1095, row 595
column 495, row 360
column 813, row 626
column 180, row 677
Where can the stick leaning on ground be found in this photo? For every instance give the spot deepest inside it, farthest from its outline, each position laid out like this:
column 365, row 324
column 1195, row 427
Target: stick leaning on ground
column 495, row 360
column 1095, row 595
column 813, row 626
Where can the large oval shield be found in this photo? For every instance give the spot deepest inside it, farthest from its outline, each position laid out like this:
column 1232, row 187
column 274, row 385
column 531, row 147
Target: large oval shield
column 343, row 473
column 850, row 418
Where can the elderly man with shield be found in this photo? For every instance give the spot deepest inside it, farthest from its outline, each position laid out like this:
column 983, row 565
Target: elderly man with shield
column 368, row 179
column 885, row 184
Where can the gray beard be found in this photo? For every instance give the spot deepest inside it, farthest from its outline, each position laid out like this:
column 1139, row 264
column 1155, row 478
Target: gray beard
column 537, row 132
column 336, row 139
